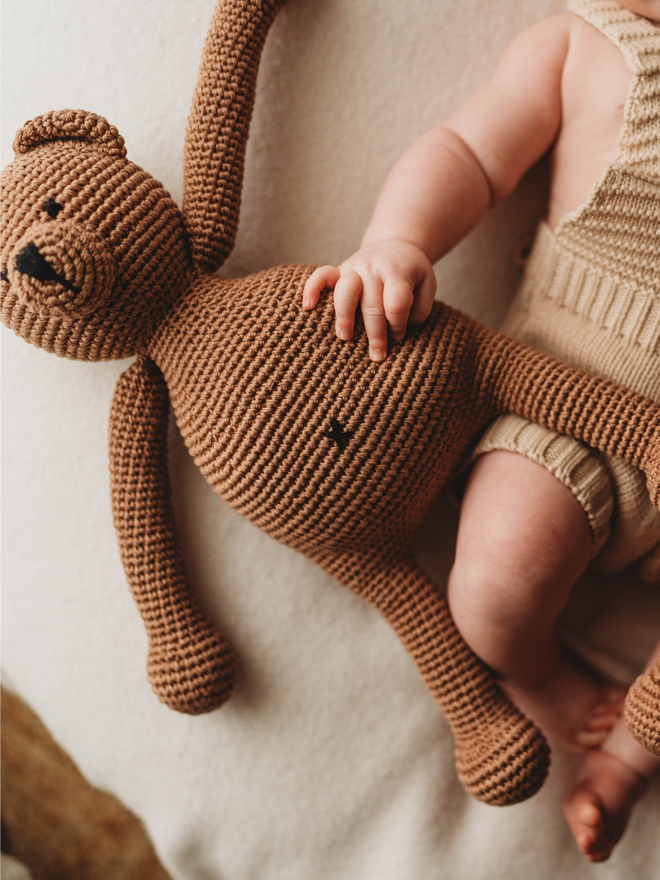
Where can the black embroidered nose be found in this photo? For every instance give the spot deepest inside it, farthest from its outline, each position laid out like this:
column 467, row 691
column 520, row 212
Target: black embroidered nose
column 338, row 434
column 30, row 262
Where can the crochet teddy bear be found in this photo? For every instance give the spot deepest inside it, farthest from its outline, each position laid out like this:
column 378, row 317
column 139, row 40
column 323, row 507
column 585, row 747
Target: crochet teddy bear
column 327, row 451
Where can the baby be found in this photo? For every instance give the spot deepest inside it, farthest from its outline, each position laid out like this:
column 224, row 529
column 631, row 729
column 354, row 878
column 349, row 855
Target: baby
column 539, row 507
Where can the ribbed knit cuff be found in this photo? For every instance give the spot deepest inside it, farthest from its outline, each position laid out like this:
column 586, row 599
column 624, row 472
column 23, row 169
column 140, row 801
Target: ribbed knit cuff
column 573, row 463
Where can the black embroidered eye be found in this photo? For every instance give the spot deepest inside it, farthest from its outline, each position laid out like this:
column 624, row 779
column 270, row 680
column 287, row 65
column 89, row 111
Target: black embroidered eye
column 53, row 208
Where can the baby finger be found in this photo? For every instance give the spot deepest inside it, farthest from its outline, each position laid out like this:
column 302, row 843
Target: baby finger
column 424, row 297
column 397, row 300
column 324, row 276
column 347, row 296
column 373, row 315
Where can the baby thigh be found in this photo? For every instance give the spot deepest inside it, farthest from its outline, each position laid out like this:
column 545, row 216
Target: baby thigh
column 523, row 540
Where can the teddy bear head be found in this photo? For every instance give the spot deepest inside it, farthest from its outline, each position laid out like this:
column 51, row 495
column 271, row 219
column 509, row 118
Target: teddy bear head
column 94, row 251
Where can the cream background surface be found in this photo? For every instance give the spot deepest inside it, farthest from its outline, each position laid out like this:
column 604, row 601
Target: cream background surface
column 331, row 760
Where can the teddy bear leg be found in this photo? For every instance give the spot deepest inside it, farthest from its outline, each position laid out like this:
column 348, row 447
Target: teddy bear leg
column 501, row 757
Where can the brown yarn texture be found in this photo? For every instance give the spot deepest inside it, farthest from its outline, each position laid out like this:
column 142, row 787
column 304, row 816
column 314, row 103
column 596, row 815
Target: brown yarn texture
column 642, row 709
column 218, row 125
column 105, row 196
column 304, row 435
column 190, row 666
column 75, row 125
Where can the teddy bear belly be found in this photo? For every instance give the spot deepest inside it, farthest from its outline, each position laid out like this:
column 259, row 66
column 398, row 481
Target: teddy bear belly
column 305, row 435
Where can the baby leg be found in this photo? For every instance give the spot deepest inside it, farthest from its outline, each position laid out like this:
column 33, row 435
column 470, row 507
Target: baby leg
column 612, row 779
column 523, row 540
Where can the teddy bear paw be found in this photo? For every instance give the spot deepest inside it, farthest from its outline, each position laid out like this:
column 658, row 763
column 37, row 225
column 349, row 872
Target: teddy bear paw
column 504, row 765
column 192, row 673
column 642, row 709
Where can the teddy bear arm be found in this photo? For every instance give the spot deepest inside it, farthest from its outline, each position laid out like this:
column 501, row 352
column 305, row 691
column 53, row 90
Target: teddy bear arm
column 600, row 413
column 190, row 666
column 218, row 125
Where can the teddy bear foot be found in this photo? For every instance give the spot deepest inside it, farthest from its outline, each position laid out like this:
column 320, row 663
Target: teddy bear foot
column 642, row 709
column 506, row 763
column 192, row 672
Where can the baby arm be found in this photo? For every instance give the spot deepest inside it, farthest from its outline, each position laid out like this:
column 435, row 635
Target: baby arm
column 442, row 186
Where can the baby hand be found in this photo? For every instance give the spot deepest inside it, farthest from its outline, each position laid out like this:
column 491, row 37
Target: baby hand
column 393, row 282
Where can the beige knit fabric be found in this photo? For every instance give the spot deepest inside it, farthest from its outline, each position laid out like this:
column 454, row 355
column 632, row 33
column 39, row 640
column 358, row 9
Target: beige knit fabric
column 590, row 296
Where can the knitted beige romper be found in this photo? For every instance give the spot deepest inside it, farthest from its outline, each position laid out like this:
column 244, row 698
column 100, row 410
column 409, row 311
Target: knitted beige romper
column 590, row 296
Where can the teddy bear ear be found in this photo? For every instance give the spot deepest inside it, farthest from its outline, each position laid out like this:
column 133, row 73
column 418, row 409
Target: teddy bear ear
column 70, row 125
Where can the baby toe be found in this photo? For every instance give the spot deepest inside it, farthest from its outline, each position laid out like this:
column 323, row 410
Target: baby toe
column 601, row 721
column 616, row 693
column 601, row 848
column 589, row 814
column 614, row 707
column 591, row 739
column 598, row 723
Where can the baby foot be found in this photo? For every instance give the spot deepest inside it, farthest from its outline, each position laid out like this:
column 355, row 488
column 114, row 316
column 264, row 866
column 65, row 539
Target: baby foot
column 598, row 807
column 573, row 708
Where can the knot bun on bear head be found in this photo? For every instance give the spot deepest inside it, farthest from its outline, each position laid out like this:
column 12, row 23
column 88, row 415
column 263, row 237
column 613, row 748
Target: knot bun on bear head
column 62, row 268
column 70, row 125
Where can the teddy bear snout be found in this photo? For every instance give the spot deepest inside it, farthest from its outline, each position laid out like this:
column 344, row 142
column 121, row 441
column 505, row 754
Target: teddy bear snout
column 61, row 268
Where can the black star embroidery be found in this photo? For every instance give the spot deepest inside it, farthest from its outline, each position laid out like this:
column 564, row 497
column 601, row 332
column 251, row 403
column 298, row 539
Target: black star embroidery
column 338, row 434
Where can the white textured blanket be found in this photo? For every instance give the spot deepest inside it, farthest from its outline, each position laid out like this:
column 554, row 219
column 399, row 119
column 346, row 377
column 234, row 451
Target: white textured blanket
column 331, row 760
